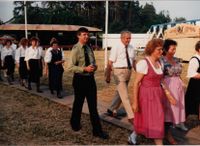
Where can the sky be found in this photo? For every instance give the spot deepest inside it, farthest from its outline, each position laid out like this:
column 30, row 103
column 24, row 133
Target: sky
column 189, row 9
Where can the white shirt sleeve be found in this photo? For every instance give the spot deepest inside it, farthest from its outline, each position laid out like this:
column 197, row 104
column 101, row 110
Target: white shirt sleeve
column 27, row 54
column 63, row 55
column 17, row 55
column 48, row 56
column 142, row 67
column 192, row 68
column 2, row 55
column 113, row 54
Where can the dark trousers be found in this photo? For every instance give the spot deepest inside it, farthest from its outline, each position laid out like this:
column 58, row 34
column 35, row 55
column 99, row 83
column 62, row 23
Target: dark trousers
column 85, row 87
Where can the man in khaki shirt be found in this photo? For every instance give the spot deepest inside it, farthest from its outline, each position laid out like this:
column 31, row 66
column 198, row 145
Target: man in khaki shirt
column 83, row 65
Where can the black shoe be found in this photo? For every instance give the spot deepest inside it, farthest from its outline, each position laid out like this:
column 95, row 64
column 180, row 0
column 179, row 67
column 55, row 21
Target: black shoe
column 1, row 79
column 29, row 87
column 59, row 95
column 113, row 114
column 39, row 91
column 76, row 128
column 52, row 92
column 102, row 135
column 10, row 83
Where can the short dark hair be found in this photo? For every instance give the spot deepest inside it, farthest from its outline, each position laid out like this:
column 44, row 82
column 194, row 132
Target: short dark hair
column 81, row 30
column 167, row 44
column 197, row 46
column 54, row 42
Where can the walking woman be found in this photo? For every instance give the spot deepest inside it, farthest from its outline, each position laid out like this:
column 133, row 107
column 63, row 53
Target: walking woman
column 148, row 95
column 192, row 97
column 8, row 63
column 172, row 69
column 33, row 57
column 54, row 60
column 21, row 63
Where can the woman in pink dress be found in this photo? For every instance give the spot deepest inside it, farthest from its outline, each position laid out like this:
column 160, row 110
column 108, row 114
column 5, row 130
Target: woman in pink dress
column 172, row 68
column 148, row 95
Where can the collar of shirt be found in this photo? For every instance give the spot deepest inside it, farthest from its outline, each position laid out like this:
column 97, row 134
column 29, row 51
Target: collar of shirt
column 81, row 45
column 197, row 55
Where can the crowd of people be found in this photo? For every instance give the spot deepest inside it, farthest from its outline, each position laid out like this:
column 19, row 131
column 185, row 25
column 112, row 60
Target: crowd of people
column 159, row 101
column 32, row 62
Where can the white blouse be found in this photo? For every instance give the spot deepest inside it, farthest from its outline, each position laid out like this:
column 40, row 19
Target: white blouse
column 1, row 47
column 35, row 53
column 142, row 67
column 48, row 55
column 118, row 55
column 20, row 52
column 193, row 66
column 6, row 51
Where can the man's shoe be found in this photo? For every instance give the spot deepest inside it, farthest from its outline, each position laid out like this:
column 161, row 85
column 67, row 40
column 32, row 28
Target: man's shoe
column 29, row 87
column 59, row 95
column 102, row 135
column 39, row 91
column 113, row 114
column 52, row 92
column 1, row 79
column 77, row 128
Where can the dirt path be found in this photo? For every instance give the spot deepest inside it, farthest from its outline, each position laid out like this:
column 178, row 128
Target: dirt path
column 27, row 119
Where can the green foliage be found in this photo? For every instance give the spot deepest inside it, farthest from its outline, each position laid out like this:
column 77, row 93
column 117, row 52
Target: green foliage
column 122, row 14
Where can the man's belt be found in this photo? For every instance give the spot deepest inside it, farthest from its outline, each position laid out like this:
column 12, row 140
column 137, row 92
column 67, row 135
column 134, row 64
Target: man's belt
column 121, row 68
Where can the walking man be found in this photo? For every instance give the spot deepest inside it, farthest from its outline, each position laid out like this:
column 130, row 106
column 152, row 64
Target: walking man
column 122, row 59
column 83, row 65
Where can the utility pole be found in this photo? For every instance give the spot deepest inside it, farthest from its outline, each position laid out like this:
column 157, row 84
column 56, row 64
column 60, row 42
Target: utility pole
column 25, row 18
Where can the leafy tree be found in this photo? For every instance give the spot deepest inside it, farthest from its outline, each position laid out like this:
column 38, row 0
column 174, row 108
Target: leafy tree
column 122, row 14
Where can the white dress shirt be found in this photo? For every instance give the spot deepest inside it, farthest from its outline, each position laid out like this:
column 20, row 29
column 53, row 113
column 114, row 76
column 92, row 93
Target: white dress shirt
column 20, row 52
column 142, row 67
column 48, row 55
column 6, row 51
column 33, row 53
column 118, row 55
column 1, row 47
column 193, row 66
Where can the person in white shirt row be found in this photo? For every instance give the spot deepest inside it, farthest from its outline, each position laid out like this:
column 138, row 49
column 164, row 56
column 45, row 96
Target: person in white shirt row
column 20, row 62
column 54, row 58
column 7, row 60
column 192, row 97
column 33, row 58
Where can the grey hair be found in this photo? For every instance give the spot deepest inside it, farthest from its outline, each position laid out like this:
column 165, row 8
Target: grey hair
column 125, row 32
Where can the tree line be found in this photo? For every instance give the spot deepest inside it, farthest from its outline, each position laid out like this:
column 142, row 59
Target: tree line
column 122, row 14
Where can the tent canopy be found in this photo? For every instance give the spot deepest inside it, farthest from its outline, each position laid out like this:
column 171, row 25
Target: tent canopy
column 46, row 27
